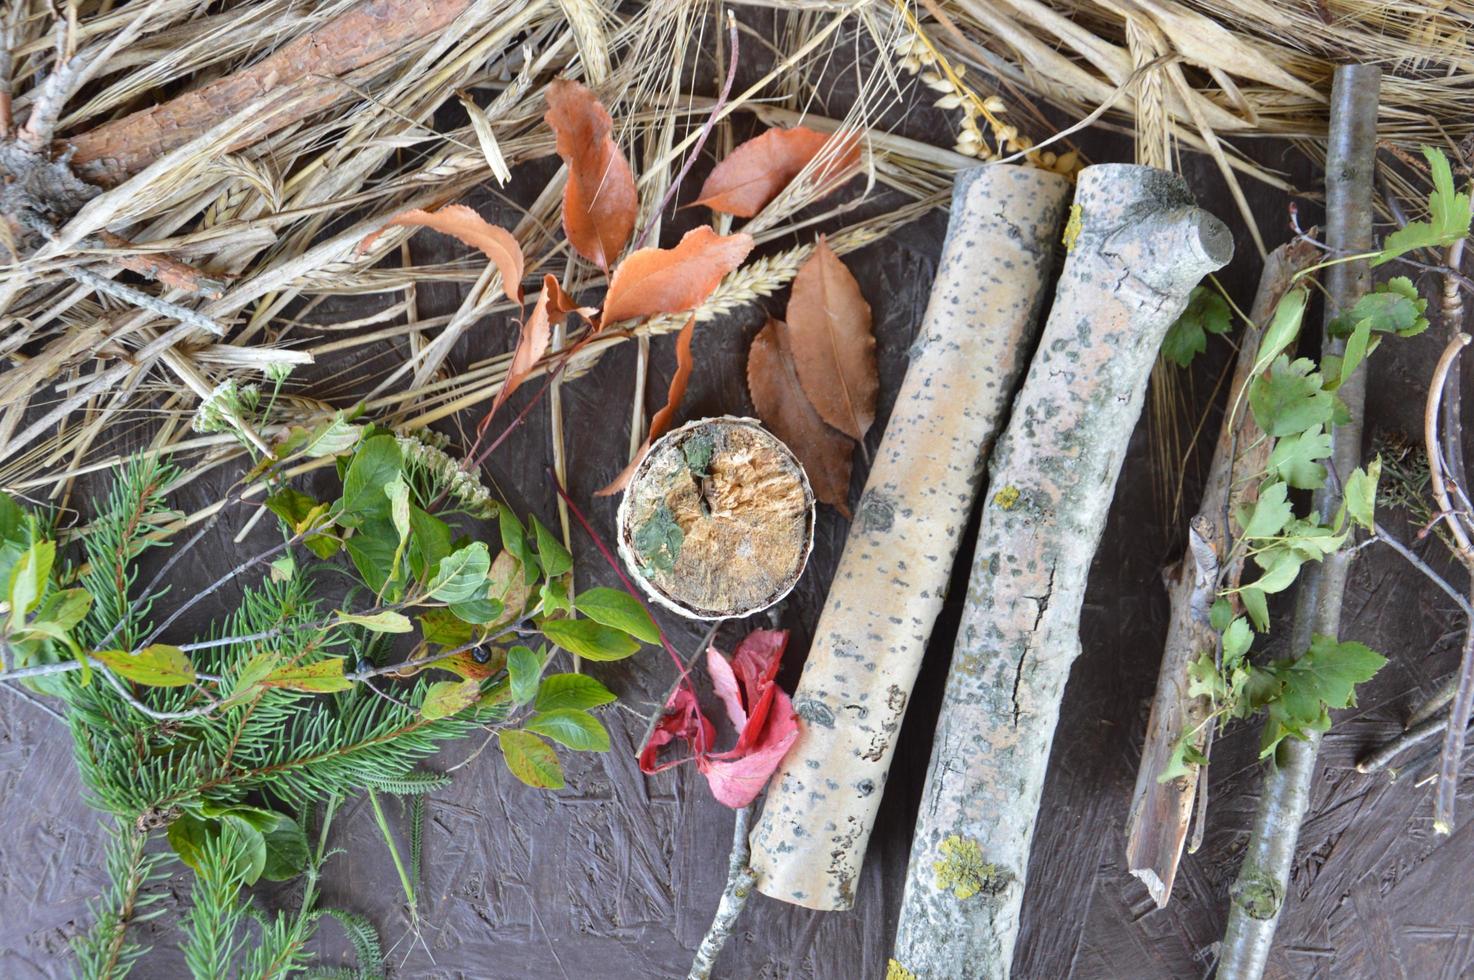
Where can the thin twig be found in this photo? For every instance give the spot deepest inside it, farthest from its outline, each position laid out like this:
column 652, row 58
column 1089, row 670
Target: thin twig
column 740, row 880
column 1415, row 735
column 1407, row 553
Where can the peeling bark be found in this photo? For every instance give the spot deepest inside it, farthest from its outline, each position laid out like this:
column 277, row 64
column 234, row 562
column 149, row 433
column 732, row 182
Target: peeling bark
column 1142, row 246
column 973, row 347
column 1162, row 812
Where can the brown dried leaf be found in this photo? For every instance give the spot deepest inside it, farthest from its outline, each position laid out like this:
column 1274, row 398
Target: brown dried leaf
column 832, row 343
column 673, row 280
column 758, row 170
column 536, row 333
column 661, row 420
column 826, row 454
column 461, row 222
column 599, row 200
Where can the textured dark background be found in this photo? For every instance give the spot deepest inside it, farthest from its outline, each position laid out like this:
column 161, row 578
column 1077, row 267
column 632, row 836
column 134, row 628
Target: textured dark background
column 617, row 876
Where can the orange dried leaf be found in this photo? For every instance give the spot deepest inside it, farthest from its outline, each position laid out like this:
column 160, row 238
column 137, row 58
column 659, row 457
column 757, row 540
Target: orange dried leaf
column 459, row 221
column 599, row 200
column 758, row 170
column 536, row 334
column 832, row 344
column 661, row 420
column 825, row 453
column 673, row 280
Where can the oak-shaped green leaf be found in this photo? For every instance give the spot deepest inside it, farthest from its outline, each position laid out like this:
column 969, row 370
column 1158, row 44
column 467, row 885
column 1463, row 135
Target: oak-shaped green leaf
column 1361, row 494
column 1330, row 671
column 1271, row 511
column 461, row 575
column 1256, row 604
column 1290, row 398
column 571, row 691
column 619, row 609
column 572, row 727
column 1448, row 215
column 531, row 759
column 158, row 665
column 1206, row 312
column 1294, row 458
column 590, row 640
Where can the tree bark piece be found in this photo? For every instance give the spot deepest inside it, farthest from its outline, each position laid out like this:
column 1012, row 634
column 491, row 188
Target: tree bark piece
column 1258, row 894
column 1142, row 246
column 1162, row 812
column 974, row 344
column 113, row 152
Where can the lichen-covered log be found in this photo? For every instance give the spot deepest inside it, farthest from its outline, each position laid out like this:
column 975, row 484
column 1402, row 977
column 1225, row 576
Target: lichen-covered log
column 1141, row 247
column 973, row 347
column 1162, row 811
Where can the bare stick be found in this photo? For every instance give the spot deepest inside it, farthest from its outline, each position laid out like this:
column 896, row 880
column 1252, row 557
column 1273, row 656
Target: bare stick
column 142, row 300
column 740, row 878
column 1412, row 559
column 1414, row 735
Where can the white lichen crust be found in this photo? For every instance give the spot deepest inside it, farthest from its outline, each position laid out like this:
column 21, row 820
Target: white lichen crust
column 972, row 348
column 1141, row 248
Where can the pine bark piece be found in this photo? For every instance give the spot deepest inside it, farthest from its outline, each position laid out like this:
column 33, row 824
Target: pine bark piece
column 1162, row 812
column 1141, row 248
column 1259, row 892
column 717, row 520
column 114, row 151
column 974, row 345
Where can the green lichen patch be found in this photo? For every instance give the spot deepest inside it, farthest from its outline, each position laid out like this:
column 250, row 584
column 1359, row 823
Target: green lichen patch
column 1258, row 894
column 963, row 870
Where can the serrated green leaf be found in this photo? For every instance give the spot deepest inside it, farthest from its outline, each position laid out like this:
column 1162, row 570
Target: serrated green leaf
column 1206, row 312
column 619, row 609
column 571, row 691
column 323, row 677
column 387, row 621
column 531, row 759
column 445, row 698
column 590, row 640
column 461, row 575
column 1236, row 642
column 1290, row 398
column 572, row 727
column 1203, row 680
column 1280, row 566
column 1271, row 511
column 554, row 557
column 1330, row 670
column 158, row 665
column 1184, row 756
column 524, row 669
column 1448, row 215
column 1394, row 306
column 1294, row 458
column 1361, row 494
column 1256, row 604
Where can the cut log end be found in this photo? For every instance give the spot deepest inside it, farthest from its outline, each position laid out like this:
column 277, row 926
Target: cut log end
column 718, row 519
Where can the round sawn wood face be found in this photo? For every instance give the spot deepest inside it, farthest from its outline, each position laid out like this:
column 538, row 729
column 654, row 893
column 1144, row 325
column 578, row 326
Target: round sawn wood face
column 718, row 519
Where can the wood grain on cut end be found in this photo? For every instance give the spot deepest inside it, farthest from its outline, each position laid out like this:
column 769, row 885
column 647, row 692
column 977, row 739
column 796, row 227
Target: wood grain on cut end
column 1142, row 246
column 971, row 350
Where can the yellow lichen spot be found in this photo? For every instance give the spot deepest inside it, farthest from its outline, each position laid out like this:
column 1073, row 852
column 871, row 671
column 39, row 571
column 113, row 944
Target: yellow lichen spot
column 1007, row 498
column 895, row 971
column 963, row 870
column 1072, row 228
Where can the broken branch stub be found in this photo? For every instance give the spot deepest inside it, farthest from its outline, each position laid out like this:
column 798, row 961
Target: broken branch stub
column 1141, row 248
column 973, row 347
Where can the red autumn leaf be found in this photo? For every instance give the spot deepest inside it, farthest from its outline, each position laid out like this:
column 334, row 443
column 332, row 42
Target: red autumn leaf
column 661, row 420
column 673, row 280
column 461, row 222
column 832, row 344
column 758, row 170
column 599, row 200
column 760, row 711
column 536, row 334
column 826, row 453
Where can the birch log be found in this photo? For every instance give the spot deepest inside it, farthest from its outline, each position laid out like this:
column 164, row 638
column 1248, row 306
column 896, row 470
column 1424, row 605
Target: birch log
column 1141, row 248
column 974, row 344
column 1161, row 812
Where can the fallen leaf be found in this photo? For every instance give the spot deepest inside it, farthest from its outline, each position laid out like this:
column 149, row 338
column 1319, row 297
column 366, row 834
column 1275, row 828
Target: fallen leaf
column 599, row 200
column 758, row 170
column 673, row 280
column 832, row 344
column 826, row 453
column 459, row 221
column 682, row 721
column 661, row 420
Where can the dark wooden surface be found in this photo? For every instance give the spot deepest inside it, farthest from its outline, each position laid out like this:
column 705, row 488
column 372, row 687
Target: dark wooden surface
column 617, row 876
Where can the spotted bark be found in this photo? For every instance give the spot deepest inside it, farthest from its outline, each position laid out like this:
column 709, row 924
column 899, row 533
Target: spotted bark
column 974, row 344
column 1141, row 247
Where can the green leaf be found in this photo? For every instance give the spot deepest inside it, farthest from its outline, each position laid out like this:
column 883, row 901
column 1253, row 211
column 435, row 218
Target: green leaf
column 461, row 575
column 1203, row 679
column 571, row 691
column 1281, row 565
column 1294, row 458
column 443, row 627
column 28, row 580
column 256, row 670
column 1206, row 312
column 398, row 493
column 65, row 609
column 387, row 621
column 1361, row 494
column 323, row 677
column 572, row 727
column 1290, row 398
column 524, row 668
column 187, row 836
column 429, row 542
column 1283, row 327
column 1356, row 350
column 285, row 850
column 479, row 611
column 158, row 665
column 1236, row 642
column 1394, row 306
column 377, row 462
column 372, row 548
column 659, row 540
column 554, row 596
column 1256, row 605
column 1221, row 615
column 619, row 609
column 445, row 698
column 1184, row 754
column 1330, row 671
column 531, row 759
column 332, row 438
column 590, row 640
column 1271, row 511
column 514, row 540
column 1448, row 215
column 550, row 551
column 254, row 841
